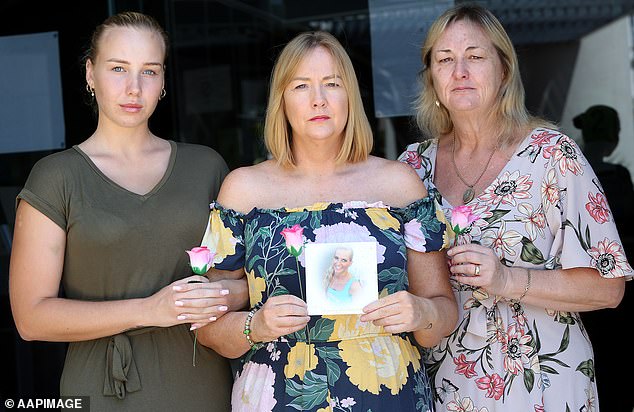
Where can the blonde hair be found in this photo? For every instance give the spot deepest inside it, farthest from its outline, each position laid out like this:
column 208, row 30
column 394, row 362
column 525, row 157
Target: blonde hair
column 509, row 110
column 357, row 142
column 330, row 272
column 125, row 19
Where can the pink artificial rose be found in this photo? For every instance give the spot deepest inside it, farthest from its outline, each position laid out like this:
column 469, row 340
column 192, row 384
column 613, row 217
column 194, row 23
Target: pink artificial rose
column 461, row 218
column 294, row 239
column 200, row 258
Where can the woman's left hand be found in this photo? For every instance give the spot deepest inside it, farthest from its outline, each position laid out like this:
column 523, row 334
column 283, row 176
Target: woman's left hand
column 197, row 296
column 477, row 265
column 222, row 296
column 398, row 312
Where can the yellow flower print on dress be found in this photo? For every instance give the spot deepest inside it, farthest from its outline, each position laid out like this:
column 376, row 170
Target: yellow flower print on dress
column 301, row 358
column 448, row 236
column 219, row 238
column 350, row 327
column 312, row 208
column 257, row 285
column 387, row 356
column 383, row 219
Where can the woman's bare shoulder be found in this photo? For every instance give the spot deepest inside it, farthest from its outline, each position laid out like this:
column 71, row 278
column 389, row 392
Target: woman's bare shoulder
column 244, row 185
column 398, row 182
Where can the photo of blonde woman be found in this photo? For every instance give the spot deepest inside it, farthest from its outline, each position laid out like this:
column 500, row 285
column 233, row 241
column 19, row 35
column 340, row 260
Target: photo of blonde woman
column 341, row 277
column 340, row 285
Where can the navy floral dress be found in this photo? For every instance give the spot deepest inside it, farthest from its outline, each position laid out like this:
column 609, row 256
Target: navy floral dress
column 337, row 363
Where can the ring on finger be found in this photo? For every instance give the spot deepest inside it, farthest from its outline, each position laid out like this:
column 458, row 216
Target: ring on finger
column 477, row 270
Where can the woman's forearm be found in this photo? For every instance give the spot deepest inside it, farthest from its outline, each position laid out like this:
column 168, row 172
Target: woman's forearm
column 568, row 290
column 441, row 320
column 65, row 320
column 226, row 335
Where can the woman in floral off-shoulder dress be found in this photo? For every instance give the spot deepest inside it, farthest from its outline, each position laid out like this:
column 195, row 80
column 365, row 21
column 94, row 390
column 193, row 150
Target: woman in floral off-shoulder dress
column 323, row 187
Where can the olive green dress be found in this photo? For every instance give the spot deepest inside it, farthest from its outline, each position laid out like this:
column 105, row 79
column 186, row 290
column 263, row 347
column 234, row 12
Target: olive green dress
column 122, row 245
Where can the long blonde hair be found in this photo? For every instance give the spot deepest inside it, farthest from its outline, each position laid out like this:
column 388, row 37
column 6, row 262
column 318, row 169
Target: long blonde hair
column 510, row 110
column 358, row 140
column 330, row 272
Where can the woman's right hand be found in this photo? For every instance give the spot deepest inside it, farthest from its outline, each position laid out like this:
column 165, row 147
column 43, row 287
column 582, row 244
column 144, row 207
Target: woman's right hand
column 279, row 316
column 193, row 299
column 478, row 266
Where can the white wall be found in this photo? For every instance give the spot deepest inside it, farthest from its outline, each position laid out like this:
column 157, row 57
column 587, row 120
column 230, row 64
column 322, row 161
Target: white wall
column 603, row 75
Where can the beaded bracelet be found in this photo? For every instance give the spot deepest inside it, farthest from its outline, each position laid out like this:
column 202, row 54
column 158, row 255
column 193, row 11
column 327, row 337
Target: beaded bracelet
column 247, row 328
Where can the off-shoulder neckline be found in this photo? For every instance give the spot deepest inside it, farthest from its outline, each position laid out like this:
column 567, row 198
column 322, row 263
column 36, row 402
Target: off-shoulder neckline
column 327, row 206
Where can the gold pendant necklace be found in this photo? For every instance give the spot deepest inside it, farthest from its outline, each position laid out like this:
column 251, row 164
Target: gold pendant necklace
column 469, row 194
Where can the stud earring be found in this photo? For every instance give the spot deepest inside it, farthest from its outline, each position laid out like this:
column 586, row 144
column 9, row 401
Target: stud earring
column 437, row 103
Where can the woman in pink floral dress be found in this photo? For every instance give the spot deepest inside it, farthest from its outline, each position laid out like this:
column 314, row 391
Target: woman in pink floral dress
column 543, row 245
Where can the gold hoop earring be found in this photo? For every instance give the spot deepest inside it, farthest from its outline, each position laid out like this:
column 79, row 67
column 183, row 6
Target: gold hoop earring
column 163, row 94
column 90, row 90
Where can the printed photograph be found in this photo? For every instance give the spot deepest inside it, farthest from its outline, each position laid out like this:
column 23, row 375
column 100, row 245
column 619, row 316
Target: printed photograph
column 341, row 278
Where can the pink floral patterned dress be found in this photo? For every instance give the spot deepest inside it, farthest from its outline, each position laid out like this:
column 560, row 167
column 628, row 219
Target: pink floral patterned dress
column 545, row 210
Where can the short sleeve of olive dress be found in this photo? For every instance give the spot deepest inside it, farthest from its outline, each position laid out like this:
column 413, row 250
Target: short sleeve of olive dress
column 121, row 245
